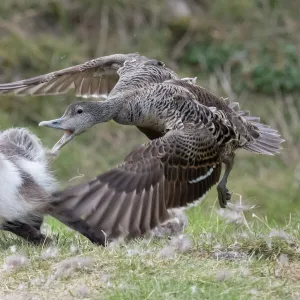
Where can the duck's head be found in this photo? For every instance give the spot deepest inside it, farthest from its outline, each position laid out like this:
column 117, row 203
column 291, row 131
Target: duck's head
column 77, row 118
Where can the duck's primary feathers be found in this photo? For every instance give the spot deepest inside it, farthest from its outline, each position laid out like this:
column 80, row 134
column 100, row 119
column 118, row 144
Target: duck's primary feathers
column 95, row 78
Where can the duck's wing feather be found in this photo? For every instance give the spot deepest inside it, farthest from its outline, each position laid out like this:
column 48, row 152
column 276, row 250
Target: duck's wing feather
column 172, row 171
column 93, row 78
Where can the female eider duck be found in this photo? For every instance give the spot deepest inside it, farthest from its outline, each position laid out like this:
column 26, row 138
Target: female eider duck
column 192, row 134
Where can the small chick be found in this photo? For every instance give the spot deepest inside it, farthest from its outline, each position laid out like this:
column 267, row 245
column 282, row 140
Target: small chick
column 26, row 184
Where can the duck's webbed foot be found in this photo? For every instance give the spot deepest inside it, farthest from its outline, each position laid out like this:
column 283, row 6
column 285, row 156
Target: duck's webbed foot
column 29, row 232
column 223, row 193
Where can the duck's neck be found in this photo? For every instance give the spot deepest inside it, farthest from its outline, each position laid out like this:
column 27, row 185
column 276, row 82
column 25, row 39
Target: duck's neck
column 106, row 110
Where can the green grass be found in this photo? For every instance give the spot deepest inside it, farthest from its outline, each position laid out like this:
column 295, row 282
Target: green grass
column 127, row 271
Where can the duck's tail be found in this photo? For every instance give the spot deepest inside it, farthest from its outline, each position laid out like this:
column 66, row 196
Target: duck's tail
column 267, row 141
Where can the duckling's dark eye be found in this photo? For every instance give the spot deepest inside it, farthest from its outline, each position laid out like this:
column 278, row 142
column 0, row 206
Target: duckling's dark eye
column 79, row 110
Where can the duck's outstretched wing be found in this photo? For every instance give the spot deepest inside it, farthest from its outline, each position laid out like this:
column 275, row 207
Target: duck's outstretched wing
column 93, row 78
column 172, row 171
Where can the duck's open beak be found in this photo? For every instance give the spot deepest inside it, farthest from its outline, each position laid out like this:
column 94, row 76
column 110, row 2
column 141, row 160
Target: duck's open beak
column 58, row 124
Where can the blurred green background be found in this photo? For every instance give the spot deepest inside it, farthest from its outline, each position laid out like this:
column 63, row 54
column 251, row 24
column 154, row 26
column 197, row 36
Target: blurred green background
column 242, row 49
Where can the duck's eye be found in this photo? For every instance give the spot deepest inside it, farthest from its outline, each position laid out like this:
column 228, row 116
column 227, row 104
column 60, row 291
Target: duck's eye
column 79, row 110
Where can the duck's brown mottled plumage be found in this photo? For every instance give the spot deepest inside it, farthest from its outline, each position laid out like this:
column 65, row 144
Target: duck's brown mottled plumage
column 156, row 177
column 192, row 133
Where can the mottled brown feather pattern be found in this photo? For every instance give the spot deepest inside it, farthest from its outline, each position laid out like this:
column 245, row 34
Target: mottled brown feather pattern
column 157, row 178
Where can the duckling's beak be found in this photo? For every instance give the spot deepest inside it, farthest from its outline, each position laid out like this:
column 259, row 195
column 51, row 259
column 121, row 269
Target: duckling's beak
column 58, row 124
